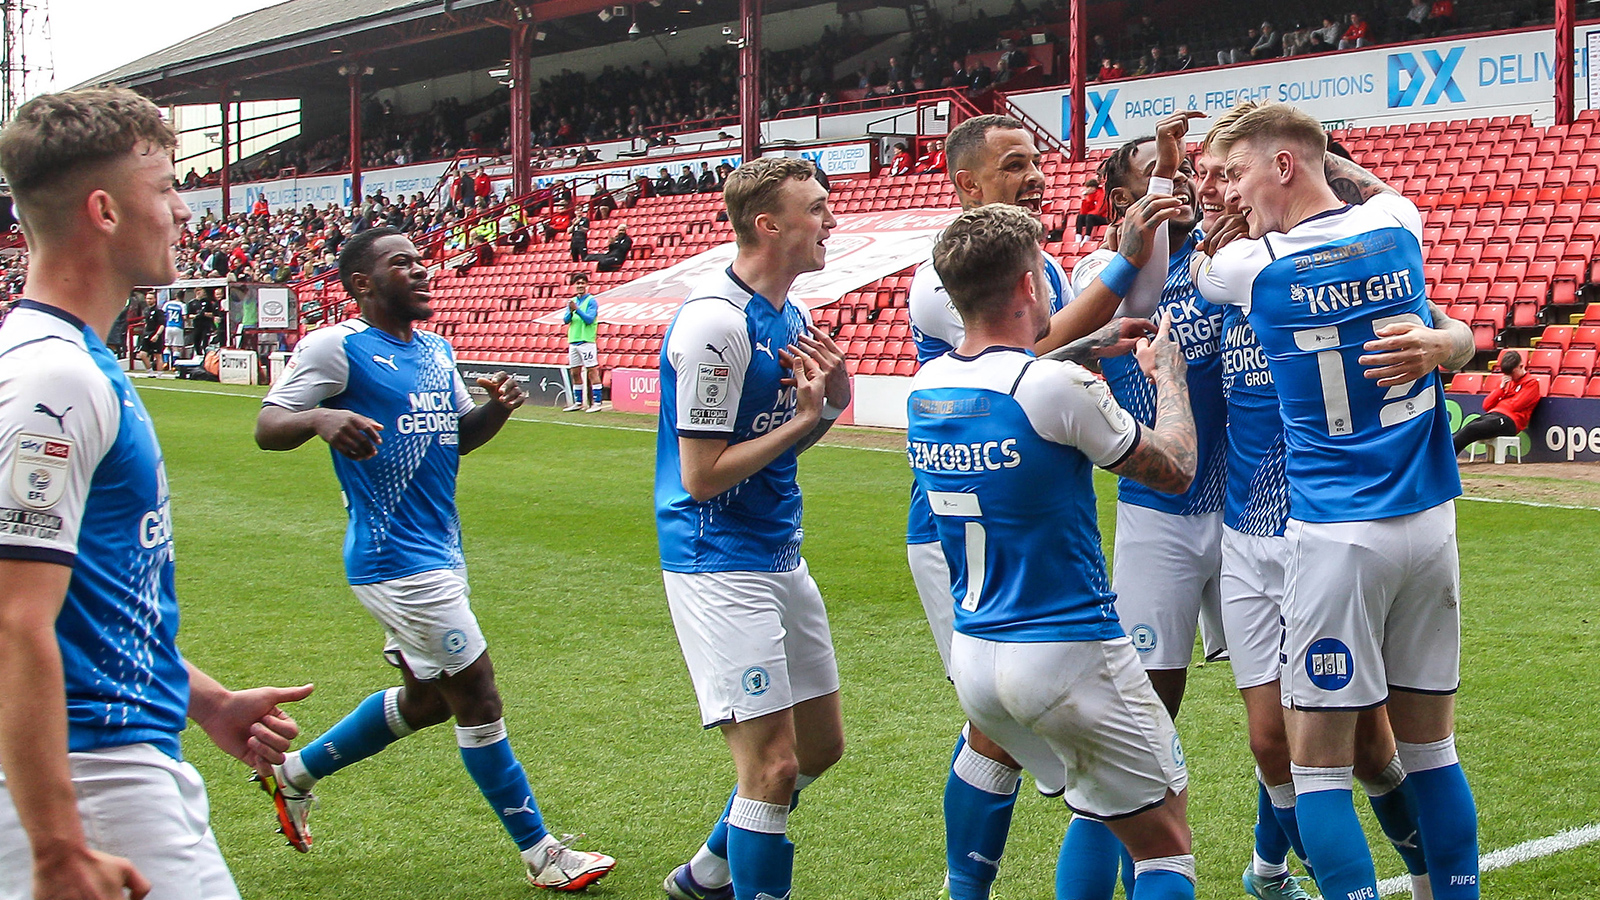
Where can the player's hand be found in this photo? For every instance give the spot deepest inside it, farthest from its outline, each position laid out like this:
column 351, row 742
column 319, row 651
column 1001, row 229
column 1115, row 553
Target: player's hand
column 1160, row 353
column 809, row 385
column 1120, row 337
column 1402, row 352
column 355, row 436
column 1139, row 226
column 830, row 359
column 251, row 725
column 1169, row 142
column 1229, row 227
column 572, row 305
column 86, row 874
column 504, row 390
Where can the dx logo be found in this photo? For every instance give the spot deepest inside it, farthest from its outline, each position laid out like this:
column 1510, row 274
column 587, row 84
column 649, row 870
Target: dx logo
column 1407, row 80
column 1097, row 113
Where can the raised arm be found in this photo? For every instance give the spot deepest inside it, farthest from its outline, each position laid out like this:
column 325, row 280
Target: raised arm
column 1168, row 453
column 1350, row 182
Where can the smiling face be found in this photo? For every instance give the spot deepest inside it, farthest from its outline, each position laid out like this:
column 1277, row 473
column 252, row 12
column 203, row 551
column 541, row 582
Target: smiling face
column 143, row 188
column 1211, row 185
column 1254, row 186
column 1007, row 171
column 397, row 286
column 1140, row 167
column 802, row 223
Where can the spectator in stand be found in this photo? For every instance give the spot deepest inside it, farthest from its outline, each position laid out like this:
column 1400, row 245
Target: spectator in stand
column 707, row 182
column 616, row 252
column 1269, row 45
column 932, row 158
column 900, row 163
column 1357, row 35
column 1441, row 17
column 1508, row 407
column 1156, row 62
column 1110, row 69
column 1416, row 18
column 260, row 207
column 1330, row 32
column 482, row 185
column 580, row 239
column 644, row 188
column 463, row 192
column 664, row 184
column 686, row 184
column 1183, row 61
column 982, row 78
column 1091, row 210
column 601, row 203
column 958, row 75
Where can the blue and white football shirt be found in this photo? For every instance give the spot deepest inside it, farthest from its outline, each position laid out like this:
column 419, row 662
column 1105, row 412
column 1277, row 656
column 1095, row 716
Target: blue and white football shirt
column 1004, row 445
column 1356, row 451
column 936, row 329
column 82, row 485
column 1258, row 487
column 1197, row 329
column 720, row 379
column 402, row 502
column 173, row 310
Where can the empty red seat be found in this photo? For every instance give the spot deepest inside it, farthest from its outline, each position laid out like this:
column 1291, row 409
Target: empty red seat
column 1577, row 362
column 1593, row 390
column 1545, row 362
column 1585, row 337
column 1467, row 383
column 1491, row 314
column 1556, row 336
column 1568, row 386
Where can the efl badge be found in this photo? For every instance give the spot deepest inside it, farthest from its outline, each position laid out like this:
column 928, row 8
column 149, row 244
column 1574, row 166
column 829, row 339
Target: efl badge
column 39, row 470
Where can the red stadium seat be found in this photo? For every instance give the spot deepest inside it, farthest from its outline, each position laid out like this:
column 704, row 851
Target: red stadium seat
column 1491, row 314
column 1544, row 362
column 1466, row 383
column 1524, row 315
column 1585, row 337
column 1577, row 362
column 1593, row 390
column 1555, row 336
column 1568, row 386
column 1483, row 337
column 1591, row 315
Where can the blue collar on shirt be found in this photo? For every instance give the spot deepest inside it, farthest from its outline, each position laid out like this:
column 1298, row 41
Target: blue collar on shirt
column 49, row 310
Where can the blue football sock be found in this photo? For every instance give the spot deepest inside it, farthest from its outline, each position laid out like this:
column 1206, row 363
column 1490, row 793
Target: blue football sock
column 1129, row 872
column 717, row 841
column 979, row 796
column 486, row 752
column 1399, row 824
column 1163, row 886
column 370, row 727
column 1272, row 843
column 1335, row 843
column 759, row 854
column 1288, row 822
column 1447, row 817
column 1087, row 868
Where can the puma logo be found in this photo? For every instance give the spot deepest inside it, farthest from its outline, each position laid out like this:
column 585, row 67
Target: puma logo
column 526, row 807
column 766, row 347
column 718, row 352
column 991, row 863
column 388, row 361
column 61, row 417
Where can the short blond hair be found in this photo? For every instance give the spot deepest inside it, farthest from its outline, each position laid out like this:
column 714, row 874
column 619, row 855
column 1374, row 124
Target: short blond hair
column 753, row 189
column 1225, row 122
column 1278, row 123
column 983, row 253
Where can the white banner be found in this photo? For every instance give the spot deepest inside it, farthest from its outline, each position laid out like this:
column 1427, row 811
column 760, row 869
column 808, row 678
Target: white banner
column 319, row 190
column 272, row 305
column 237, row 367
column 1504, row 74
column 861, row 250
column 835, row 159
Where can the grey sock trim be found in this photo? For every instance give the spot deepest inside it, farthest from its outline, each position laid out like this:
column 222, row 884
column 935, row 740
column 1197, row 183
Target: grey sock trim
column 757, row 815
column 1422, row 757
column 1387, row 780
column 1308, row 779
column 1183, row 865
column 984, row 773
column 398, row 726
column 471, row 736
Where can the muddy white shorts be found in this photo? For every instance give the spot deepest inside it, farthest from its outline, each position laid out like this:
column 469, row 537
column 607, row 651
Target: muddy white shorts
column 427, row 621
column 1093, row 707
column 1371, row 607
column 139, row 803
column 755, row 642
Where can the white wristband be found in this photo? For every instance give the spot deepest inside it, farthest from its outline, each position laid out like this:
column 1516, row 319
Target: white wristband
column 1159, row 185
column 829, row 411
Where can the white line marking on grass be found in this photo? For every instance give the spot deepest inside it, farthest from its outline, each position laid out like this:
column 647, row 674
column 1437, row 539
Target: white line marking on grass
column 179, row 390
column 1530, row 503
column 1526, row 851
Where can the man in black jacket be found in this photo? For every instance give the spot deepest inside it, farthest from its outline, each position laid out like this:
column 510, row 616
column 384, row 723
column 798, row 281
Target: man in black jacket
column 616, row 252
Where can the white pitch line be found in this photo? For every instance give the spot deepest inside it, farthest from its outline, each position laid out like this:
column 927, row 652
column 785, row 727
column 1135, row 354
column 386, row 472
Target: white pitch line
column 1526, row 851
column 1530, row 503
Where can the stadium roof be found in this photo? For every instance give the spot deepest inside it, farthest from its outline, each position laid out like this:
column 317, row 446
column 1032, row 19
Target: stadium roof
column 264, row 54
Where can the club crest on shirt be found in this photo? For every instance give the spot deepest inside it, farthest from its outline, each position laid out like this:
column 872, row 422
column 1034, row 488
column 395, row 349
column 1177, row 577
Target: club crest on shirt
column 39, row 470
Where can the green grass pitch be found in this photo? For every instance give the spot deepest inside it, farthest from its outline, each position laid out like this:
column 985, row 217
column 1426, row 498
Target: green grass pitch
column 560, row 542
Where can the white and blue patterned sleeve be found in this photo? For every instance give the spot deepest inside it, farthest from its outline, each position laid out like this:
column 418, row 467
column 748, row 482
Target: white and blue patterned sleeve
column 58, row 417
column 317, row 370
column 1067, row 404
column 709, row 351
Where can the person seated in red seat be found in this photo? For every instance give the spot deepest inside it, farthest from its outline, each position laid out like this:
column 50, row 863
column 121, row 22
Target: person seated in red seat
column 1357, row 35
column 1508, row 407
column 932, row 158
column 1110, row 68
column 901, row 163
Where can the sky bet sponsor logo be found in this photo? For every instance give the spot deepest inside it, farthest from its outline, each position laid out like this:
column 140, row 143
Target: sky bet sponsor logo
column 991, row 456
column 1327, row 298
column 432, row 412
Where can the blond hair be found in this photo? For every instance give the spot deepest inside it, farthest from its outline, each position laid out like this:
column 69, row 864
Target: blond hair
column 983, row 253
column 1277, row 123
column 753, row 188
column 1225, row 122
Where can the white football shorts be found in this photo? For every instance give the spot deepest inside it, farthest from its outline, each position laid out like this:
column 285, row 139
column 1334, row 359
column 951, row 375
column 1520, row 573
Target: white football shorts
column 1091, row 704
column 584, row 355
column 1371, row 607
column 1252, row 605
column 756, row 643
column 427, row 621
column 1164, row 568
column 931, row 574
column 174, row 338
column 139, row 803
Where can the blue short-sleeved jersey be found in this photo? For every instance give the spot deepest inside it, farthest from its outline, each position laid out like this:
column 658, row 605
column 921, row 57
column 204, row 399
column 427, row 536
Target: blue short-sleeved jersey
column 402, row 502
column 1356, row 451
column 721, row 379
column 1258, row 487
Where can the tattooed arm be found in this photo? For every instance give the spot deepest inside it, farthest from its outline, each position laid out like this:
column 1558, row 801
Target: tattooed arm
column 1402, row 352
column 1350, row 182
column 1114, row 339
column 1168, row 453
